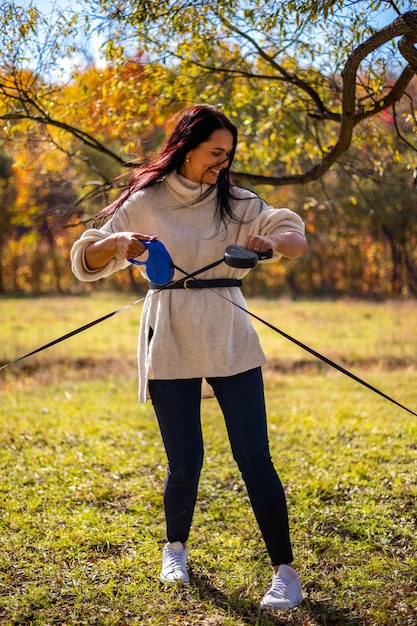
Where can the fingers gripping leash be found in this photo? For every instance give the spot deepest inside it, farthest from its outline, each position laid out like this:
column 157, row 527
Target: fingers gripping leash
column 160, row 271
column 159, row 266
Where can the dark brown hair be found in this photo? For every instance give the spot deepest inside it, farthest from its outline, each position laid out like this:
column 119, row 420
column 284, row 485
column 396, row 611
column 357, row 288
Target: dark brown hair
column 193, row 126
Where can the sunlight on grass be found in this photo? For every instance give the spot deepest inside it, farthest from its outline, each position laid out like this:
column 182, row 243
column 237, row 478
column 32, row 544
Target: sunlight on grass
column 358, row 330
column 83, row 469
column 29, row 323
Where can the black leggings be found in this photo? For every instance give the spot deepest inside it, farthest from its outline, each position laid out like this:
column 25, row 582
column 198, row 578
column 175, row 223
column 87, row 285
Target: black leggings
column 177, row 404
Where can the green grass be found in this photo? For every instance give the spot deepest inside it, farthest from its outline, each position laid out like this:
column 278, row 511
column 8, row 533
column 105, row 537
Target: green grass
column 82, row 470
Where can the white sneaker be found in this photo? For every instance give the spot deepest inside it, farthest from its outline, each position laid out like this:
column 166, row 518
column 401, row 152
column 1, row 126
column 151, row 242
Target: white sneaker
column 285, row 591
column 174, row 564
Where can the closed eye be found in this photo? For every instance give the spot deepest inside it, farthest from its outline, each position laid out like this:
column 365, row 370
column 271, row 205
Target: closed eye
column 219, row 154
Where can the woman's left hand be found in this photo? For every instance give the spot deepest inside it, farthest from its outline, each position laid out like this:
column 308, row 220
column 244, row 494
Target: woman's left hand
column 257, row 243
column 290, row 244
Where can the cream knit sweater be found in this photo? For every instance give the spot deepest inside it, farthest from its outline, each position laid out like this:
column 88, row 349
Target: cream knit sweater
column 194, row 333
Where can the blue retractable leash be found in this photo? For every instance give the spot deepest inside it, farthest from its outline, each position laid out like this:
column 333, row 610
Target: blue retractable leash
column 159, row 266
column 160, row 271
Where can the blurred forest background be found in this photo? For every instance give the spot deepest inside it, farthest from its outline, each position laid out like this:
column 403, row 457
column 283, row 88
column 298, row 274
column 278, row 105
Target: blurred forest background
column 324, row 95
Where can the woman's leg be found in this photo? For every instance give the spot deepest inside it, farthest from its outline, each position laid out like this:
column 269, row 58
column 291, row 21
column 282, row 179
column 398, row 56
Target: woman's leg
column 177, row 407
column 241, row 399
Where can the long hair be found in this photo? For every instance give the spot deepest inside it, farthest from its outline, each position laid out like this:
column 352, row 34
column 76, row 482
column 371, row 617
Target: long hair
column 194, row 126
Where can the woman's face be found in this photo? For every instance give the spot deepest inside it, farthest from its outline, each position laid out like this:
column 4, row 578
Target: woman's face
column 203, row 163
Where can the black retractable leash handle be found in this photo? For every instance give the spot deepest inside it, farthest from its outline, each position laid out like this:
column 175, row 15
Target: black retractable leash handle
column 160, row 270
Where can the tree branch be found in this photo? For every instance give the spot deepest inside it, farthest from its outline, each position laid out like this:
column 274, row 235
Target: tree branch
column 86, row 138
column 405, row 26
column 286, row 76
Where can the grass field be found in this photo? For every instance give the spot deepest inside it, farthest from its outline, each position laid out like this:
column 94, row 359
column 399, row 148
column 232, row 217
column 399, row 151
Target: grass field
column 83, row 466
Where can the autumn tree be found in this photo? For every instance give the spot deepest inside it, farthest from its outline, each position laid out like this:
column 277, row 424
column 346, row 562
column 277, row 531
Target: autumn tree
column 315, row 70
column 307, row 83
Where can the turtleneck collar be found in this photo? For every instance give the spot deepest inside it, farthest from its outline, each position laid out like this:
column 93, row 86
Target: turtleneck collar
column 187, row 191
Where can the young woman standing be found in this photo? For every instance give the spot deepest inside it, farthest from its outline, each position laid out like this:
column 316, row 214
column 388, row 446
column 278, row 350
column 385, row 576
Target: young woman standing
column 184, row 197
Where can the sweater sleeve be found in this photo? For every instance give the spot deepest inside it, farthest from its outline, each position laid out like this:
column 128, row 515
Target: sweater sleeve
column 78, row 263
column 276, row 222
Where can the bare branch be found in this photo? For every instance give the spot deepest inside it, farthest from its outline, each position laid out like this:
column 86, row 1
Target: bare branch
column 86, row 138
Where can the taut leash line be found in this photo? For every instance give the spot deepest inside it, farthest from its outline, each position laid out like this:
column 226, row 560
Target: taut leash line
column 71, row 333
column 304, row 346
column 76, row 331
column 235, row 256
column 156, row 247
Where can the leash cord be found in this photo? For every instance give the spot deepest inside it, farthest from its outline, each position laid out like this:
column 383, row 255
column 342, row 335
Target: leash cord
column 304, row 346
column 76, row 331
column 193, row 275
column 71, row 333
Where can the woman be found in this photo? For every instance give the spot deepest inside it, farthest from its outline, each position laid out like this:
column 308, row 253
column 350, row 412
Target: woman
column 184, row 198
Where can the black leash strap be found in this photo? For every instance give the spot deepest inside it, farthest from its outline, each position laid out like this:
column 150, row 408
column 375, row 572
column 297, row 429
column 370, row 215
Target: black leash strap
column 328, row 361
column 271, row 326
column 105, row 317
column 71, row 334
column 308, row 349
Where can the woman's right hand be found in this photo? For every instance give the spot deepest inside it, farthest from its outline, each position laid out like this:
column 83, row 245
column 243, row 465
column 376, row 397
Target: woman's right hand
column 125, row 243
column 129, row 245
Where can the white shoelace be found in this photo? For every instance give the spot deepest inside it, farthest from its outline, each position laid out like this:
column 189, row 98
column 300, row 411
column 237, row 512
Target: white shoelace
column 280, row 586
column 176, row 560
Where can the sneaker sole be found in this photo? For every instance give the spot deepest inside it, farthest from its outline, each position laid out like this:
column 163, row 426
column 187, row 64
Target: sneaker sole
column 178, row 581
column 274, row 607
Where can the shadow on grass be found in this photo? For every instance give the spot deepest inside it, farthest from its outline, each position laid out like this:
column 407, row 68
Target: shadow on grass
column 320, row 613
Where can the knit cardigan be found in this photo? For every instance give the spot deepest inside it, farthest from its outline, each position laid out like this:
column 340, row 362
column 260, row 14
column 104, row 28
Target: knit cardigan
column 190, row 333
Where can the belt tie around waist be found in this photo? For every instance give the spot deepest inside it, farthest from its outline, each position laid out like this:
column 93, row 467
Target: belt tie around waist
column 192, row 283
